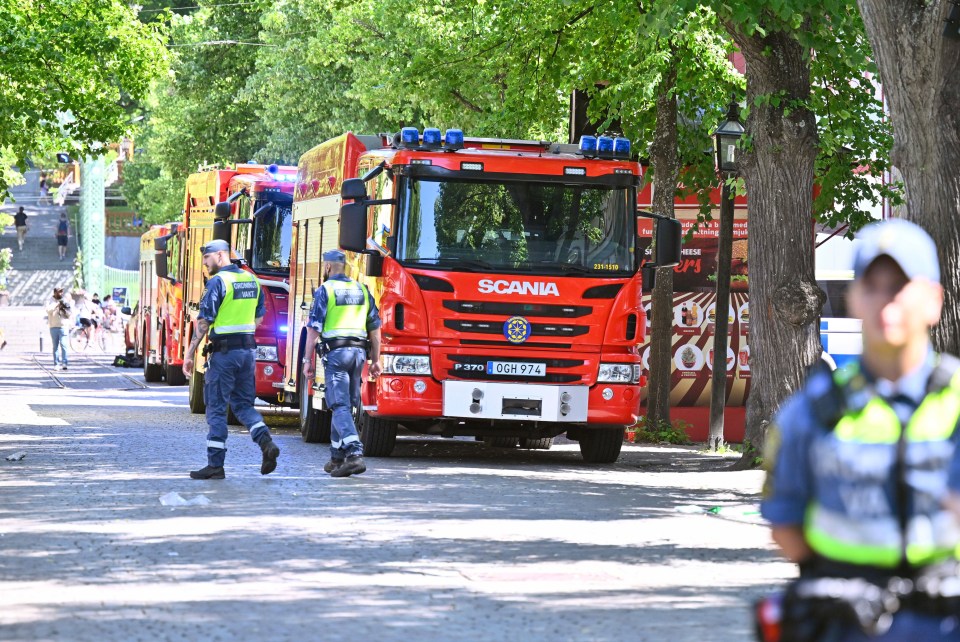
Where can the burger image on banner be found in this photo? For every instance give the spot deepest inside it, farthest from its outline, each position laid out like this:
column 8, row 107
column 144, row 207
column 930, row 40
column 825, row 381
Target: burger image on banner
column 738, row 267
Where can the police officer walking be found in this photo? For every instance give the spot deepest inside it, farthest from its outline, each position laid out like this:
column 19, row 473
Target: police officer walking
column 345, row 320
column 865, row 478
column 231, row 309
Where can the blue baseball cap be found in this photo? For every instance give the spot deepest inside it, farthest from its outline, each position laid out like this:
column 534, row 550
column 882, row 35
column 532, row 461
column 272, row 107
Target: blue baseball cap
column 216, row 245
column 334, row 256
column 904, row 242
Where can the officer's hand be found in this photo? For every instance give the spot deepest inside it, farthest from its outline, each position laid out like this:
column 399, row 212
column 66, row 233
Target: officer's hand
column 375, row 369
column 309, row 369
column 188, row 366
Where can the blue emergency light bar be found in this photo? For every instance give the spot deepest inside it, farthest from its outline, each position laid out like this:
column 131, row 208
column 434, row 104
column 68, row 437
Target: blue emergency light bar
column 605, row 147
column 621, row 147
column 453, row 139
column 410, row 136
column 588, row 145
column 431, row 137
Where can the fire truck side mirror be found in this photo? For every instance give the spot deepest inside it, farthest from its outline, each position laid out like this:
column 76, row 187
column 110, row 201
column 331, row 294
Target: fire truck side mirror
column 354, row 189
column 669, row 237
column 353, row 227
column 221, row 230
column 160, row 257
column 221, row 211
column 648, row 276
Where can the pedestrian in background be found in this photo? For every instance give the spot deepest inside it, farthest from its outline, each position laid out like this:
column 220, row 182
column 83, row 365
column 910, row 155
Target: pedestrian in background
column 20, row 221
column 63, row 235
column 346, row 322
column 231, row 308
column 865, row 485
column 58, row 313
column 44, row 191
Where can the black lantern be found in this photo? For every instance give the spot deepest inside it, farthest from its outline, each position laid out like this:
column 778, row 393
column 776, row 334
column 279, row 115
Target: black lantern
column 727, row 135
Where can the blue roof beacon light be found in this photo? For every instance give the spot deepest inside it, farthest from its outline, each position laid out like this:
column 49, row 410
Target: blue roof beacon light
column 431, row 138
column 621, row 148
column 410, row 136
column 605, row 147
column 453, row 139
column 588, row 145
column 273, row 168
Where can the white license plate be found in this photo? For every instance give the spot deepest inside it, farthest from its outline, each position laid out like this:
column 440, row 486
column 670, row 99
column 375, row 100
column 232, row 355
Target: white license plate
column 516, row 369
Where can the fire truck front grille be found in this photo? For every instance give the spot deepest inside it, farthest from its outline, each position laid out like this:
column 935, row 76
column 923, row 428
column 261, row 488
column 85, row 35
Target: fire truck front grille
column 537, row 329
column 521, row 309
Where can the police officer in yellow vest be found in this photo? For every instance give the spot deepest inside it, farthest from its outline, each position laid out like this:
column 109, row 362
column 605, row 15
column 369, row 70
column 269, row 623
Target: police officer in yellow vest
column 231, row 308
column 346, row 322
column 865, row 478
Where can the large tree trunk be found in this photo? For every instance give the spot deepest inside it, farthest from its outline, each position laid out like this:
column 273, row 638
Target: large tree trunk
column 663, row 158
column 778, row 171
column 920, row 74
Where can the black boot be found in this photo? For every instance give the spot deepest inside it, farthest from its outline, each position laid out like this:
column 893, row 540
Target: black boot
column 208, row 472
column 270, row 454
column 332, row 465
column 352, row 466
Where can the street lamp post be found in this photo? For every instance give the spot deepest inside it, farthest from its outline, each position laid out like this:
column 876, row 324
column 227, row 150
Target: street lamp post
column 727, row 136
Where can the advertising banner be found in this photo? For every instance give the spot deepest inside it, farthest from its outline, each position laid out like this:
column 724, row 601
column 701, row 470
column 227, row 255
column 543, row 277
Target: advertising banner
column 694, row 313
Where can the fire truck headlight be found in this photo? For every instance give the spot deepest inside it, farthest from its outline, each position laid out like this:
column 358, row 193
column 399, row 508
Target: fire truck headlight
column 406, row 364
column 266, row 353
column 618, row 373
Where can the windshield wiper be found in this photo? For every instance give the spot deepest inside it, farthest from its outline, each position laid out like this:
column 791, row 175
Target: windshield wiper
column 568, row 267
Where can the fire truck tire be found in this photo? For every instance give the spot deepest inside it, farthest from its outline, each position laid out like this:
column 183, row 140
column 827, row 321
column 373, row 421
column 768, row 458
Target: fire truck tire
column 314, row 424
column 152, row 372
column 601, row 446
column 197, row 404
column 536, row 444
column 174, row 375
column 379, row 436
column 501, row 442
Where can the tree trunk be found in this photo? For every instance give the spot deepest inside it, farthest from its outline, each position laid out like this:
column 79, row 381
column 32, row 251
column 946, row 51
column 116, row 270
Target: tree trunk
column 663, row 158
column 721, row 326
column 777, row 169
column 920, row 73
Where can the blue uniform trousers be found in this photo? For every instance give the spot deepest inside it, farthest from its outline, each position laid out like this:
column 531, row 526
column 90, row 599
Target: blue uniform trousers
column 231, row 378
column 342, row 373
column 910, row 626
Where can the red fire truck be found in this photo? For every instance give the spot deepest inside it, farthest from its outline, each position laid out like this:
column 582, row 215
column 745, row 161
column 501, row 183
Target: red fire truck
column 248, row 206
column 508, row 279
column 156, row 322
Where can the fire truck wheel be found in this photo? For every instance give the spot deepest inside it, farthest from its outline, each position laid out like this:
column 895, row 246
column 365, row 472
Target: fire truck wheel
column 379, row 436
column 601, row 446
column 174, row 375
column 152, row 372
column 543, row 443
column 501, row 442
column 197, row 404
column 314, row 424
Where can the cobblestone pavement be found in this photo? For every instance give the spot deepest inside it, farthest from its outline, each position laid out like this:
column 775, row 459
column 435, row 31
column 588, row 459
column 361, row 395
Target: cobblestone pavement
column 446, row 540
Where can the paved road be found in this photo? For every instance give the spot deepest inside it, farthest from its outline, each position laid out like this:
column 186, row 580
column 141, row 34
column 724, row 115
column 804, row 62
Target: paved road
column 447, row 540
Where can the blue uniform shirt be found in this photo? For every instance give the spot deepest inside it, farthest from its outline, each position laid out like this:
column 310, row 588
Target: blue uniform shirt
column 792, row 484
column 216, row 291
column 319, row 310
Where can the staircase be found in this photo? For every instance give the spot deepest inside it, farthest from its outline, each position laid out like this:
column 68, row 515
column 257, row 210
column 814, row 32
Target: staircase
column 37, row 269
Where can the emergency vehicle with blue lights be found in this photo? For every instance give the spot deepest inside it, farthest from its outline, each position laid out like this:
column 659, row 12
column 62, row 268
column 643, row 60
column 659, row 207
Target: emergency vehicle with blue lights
column 249, row 206
column 507, row 274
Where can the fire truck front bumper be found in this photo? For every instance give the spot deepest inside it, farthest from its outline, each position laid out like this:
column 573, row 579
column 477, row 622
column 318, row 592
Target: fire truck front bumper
column 422, row 397
column 269, row 379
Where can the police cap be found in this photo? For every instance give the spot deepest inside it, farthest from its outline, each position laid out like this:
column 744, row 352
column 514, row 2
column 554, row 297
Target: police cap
column 904, row 242
column 216, row 245
column 334, row 256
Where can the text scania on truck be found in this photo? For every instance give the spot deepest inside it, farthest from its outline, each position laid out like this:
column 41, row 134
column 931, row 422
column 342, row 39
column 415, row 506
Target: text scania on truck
column 248, row 206
column 508, row 279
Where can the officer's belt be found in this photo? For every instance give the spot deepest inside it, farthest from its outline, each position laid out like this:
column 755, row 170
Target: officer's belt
column 329, row 345
column 232, row 342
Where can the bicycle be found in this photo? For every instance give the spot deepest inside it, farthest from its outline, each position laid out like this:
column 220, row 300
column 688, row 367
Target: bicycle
column 80, row 341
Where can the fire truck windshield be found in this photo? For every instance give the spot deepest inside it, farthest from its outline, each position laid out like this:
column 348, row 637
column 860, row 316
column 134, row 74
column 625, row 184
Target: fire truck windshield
column 517, row 226
column 271, row 236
